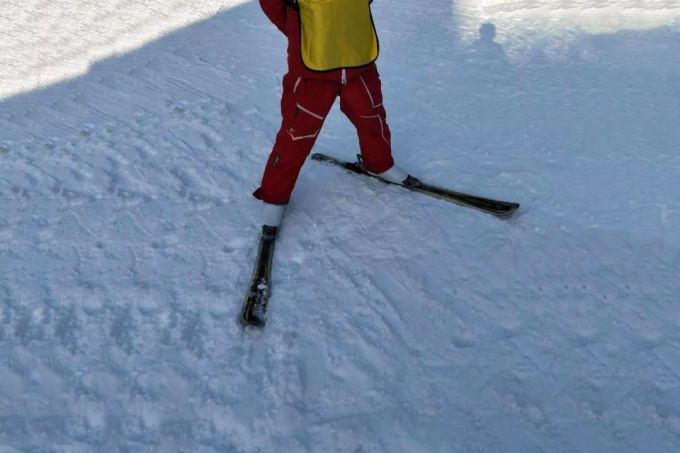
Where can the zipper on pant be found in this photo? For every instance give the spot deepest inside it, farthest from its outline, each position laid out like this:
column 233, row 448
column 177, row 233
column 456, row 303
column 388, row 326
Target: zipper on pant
column 343, row 79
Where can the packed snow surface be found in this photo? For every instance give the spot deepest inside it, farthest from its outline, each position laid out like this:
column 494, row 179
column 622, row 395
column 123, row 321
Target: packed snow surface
column 131, row 136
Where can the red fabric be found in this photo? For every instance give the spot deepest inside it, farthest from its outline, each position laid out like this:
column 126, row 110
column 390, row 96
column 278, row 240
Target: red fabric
column 276, row 12
column 304, row 106
column 286, row 19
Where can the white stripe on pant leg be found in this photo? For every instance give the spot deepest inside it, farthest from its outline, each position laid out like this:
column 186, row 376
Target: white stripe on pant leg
column 297, row 82
column 382, row 126
column 318, row 117
column 291, row 131
column 369, row 93
column 300, row 137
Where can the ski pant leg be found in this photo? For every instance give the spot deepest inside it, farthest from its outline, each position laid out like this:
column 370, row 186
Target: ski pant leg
column 361, row 100
column 304, row 106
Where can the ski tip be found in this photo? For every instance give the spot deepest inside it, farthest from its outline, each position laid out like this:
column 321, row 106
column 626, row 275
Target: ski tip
column 509, row 212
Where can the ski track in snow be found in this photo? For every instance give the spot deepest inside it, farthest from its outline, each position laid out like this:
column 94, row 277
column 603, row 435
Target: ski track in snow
column 398, row 322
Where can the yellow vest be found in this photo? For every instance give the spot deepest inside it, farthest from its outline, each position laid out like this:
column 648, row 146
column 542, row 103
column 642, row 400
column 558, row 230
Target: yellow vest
column 337, row 34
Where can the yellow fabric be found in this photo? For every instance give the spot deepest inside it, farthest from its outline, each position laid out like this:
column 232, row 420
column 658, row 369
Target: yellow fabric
column 337, row 34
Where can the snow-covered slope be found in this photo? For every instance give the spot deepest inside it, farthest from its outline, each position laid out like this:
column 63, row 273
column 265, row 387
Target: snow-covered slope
column 398, row 323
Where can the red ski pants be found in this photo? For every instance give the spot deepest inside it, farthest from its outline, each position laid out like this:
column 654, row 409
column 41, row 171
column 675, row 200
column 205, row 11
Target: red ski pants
column 304, row 106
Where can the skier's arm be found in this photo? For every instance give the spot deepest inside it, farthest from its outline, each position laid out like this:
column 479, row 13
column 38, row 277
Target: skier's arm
column 276, row 12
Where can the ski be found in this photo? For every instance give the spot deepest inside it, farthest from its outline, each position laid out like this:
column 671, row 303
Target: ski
column 488, row 205
column 255, row 306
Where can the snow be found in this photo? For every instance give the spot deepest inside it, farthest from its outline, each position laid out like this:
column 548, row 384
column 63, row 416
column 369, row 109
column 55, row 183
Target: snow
column 131, row 135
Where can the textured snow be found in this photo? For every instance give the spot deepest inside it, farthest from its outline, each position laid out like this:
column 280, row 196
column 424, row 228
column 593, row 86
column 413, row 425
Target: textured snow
column 131, row 135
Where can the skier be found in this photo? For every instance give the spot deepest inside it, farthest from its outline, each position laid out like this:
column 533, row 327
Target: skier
column 332, row 48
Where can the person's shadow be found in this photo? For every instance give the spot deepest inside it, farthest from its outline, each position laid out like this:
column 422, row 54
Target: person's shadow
column 486, row 50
